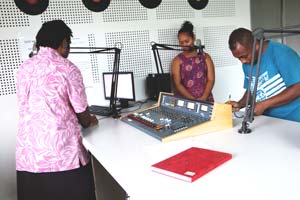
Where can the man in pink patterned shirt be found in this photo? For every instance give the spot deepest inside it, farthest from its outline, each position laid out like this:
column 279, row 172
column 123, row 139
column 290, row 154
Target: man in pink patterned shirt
column 51, row 161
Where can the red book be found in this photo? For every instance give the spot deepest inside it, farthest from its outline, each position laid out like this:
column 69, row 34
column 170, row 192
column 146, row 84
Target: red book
column 191, row 164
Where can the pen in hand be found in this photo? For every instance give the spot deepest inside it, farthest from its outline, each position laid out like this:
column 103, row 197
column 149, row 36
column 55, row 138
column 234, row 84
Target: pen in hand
column 229, row 99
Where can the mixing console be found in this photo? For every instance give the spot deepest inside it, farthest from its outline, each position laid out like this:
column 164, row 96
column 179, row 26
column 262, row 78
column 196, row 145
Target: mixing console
column 173, row 115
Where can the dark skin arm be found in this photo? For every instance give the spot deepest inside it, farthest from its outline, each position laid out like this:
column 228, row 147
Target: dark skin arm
column 285, row 97
column 85, row 119
column 210, row 78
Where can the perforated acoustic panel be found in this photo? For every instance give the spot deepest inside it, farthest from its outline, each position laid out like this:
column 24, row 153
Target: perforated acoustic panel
column 94, row 59
column 121, row 10
column 70, row 11
column 136, row 51
column 216, row 45
column 11, row 16
column 167, row 36
column 219, row 8
column 174, row 10
column 9, row 62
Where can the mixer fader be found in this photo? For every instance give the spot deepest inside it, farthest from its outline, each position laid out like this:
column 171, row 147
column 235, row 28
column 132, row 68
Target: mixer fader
column 172, row 115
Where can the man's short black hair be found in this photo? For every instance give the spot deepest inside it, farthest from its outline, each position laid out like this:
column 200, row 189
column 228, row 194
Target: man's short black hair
column 242, row 36
column 52, row 33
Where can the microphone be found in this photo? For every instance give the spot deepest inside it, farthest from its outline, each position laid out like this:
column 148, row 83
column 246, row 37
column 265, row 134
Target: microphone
column 198, row 46
column 198, row 43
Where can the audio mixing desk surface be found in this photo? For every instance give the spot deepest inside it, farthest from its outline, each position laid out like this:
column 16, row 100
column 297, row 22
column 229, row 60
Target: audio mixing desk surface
column 172, row 115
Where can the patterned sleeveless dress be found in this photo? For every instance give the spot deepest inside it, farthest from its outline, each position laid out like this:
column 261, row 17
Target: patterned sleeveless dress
column 193, row 72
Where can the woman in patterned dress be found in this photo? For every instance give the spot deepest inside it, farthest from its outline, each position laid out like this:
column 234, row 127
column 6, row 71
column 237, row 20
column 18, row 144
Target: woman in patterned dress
column 192, row 71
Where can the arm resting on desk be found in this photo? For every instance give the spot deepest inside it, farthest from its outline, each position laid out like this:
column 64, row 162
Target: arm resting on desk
column 285, row 97
column 85, row 119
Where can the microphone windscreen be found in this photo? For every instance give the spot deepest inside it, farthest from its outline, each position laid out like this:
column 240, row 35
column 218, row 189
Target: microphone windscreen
column 198, row 43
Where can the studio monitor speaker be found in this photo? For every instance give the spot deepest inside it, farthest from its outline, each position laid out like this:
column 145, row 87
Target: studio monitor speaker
column 156, row 83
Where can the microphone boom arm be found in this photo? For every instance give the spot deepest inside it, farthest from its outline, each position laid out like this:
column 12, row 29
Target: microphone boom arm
column 114, row 83
column 156, row 47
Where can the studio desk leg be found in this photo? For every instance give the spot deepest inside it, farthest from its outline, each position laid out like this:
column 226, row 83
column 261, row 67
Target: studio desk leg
column 107, row 188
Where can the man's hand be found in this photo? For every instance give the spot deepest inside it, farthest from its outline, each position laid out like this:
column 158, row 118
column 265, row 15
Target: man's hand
column 235, row 105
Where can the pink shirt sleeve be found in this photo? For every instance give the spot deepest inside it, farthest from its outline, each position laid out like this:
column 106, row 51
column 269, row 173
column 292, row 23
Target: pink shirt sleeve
column 76, row 91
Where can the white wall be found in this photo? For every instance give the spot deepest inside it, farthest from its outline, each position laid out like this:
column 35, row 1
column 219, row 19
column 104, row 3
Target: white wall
column 8, row 124
column 124, row 21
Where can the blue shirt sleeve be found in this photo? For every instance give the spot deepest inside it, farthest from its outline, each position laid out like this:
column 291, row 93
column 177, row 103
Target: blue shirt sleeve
column 287, row 62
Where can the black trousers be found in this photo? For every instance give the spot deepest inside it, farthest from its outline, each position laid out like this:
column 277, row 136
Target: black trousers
column 76, row 184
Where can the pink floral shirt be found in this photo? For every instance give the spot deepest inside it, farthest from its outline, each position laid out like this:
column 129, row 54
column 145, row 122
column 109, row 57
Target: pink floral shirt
column 50, row 91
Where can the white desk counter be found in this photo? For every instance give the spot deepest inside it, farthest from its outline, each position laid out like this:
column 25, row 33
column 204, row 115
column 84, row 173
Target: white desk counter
column 265, row 163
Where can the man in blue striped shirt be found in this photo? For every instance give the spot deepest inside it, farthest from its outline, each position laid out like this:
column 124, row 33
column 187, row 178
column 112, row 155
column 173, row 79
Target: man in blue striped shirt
column 278, row 90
